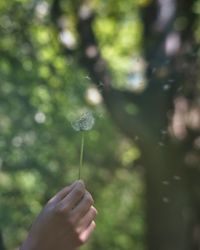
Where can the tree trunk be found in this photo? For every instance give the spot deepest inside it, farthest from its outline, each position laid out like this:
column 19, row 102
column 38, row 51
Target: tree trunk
column 169, row 208
column 167, row 202
column 2, row 246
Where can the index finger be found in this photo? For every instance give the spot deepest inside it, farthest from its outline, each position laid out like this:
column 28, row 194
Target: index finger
column 74, row 197
column 62, row 193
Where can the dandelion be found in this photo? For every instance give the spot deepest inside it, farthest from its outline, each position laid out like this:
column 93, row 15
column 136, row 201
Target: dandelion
column 82, row 124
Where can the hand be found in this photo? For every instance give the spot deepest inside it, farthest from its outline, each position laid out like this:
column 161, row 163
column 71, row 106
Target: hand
column 65, row 223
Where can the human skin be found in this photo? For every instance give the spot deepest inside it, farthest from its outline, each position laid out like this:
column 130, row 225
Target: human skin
column 65, row 223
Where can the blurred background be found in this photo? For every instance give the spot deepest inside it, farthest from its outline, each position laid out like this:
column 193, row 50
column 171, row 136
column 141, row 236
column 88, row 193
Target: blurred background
column 135, row 65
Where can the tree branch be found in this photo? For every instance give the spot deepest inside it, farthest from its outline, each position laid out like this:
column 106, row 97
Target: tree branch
column 146, row 102
column 56, row 13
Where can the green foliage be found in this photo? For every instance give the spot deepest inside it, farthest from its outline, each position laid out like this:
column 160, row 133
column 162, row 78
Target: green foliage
column 119, row 32
column 40, row 91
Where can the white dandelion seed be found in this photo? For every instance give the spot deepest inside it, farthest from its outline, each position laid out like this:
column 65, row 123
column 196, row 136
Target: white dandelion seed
column 177, row 178
column 165, row 199
column 166, row 183
column 166, row 87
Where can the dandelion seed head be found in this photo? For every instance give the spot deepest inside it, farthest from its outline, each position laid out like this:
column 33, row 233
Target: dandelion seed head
column 84, row 123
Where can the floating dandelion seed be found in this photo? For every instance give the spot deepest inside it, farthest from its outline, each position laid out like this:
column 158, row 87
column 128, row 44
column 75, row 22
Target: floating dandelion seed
column 82, row 124
column 161, row 144
column 101, row 84
column 177, row 178
column 100, row 87
column 136, row 138
column 87, row 77
column 180, row 89
column 166, row 183
column 164, row 132
column 154, row 70
column 165, row 199
column 166, row 87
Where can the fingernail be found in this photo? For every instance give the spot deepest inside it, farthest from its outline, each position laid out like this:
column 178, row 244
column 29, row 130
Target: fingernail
column 78, row 182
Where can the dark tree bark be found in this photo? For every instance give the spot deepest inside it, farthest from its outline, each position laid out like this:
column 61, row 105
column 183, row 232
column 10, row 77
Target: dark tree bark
column 2, row 246
column 170, row 224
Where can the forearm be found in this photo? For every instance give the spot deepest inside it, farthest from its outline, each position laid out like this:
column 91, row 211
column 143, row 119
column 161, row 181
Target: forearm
column 28, row 244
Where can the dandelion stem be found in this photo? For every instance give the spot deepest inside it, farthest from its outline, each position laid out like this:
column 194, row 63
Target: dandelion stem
column 81, row 154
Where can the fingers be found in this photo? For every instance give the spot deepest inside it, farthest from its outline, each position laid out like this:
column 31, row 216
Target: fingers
column 75, row 204
column 62, row 193
column 73, row 197
column 87, row 232
column 87, row 219
column 82, row 207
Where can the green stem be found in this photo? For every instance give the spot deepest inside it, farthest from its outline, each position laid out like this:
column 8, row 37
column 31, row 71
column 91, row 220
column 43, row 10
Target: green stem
column 81, row 155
